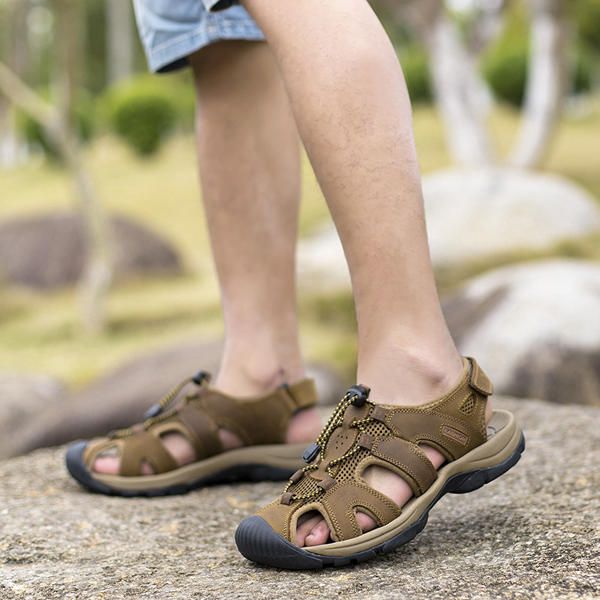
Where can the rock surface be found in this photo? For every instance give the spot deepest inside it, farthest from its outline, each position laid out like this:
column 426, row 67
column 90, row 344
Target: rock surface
column 321, row 261
column 535, row 328
column 49, row 251
column 477, row 214
column 120, row 398
column 22, row 397
column 532, row 534
column 474, row 215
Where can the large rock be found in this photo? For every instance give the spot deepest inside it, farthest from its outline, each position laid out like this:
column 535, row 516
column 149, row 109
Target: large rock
column 49, row 251
column 120, row 397
column 535, row 328
column 321, row 261
column 473, row 215
column 22, row 398
column 477, row 214
column 532, row 534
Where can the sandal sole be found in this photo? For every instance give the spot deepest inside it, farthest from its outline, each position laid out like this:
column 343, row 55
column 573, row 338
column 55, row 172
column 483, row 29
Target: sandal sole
column 247, row 472
column 258, row 542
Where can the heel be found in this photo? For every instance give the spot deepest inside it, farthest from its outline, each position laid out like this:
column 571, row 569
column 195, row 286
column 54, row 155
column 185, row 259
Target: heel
column 473, row 480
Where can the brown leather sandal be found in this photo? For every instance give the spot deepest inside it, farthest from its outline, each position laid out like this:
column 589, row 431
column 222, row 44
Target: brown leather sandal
column 260, row 423
column 360, row 434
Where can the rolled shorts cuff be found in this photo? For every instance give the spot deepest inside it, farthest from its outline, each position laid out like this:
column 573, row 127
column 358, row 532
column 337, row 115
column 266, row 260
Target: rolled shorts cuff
column 215, row 5
column 173, row 53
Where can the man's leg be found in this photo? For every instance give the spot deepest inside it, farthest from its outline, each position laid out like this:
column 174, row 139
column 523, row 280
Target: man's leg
column 250, row 172
column 353, row 112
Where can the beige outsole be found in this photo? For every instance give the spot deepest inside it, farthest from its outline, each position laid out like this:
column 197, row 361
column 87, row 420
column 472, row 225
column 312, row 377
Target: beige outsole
column 278, row 456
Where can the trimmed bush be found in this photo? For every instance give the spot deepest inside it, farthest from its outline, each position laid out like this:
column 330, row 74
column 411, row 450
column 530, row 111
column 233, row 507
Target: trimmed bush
column 506, row 70
column 587, row 17
column 416, row 71
column 142, row 112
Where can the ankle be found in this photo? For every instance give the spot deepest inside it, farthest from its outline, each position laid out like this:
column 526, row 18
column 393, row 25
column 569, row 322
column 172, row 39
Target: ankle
column 254, row 371
column 409, row 375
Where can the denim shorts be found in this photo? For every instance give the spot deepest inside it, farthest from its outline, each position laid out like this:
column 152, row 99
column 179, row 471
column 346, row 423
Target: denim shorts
column 172, row 30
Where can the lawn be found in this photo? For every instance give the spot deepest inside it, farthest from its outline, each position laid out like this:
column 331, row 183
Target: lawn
column 42, row 333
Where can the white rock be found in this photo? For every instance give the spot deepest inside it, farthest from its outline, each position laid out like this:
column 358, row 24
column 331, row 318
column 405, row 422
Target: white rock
column 535, row 328
column 321, row 260
column 474, row 214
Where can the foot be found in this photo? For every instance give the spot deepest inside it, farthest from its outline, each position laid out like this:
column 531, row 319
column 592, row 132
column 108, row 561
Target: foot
column 303, row 427
column 313, row 530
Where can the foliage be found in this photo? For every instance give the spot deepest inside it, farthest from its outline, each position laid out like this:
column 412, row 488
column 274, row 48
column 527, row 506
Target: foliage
column 506, row 69
column 142, row 112
column 416, row 71
column 587, row 18
column 35, row 135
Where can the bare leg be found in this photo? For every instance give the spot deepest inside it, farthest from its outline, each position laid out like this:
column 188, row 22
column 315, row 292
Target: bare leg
column 249, row 167
column 353, row 112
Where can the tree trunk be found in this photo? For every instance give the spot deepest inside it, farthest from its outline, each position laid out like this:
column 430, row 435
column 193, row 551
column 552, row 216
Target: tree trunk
column 97, row 275
column 58, row 123
column 119, row 40
column 462, row 96
column 546, row 83
column 15, row 51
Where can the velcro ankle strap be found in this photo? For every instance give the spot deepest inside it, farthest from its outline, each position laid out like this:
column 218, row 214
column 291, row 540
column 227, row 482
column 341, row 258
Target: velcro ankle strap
column 303, row 394
column 478, row 380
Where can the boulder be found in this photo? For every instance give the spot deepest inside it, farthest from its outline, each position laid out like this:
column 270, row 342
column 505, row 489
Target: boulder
column 321, row 261
column 23, row 397
column 48, row 251
column 532, row 534
column 535, row 327
column 120, row 397
column 473, row 215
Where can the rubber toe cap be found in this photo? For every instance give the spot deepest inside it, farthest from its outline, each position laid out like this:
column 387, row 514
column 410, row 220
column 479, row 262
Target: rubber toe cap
column 77, row 469
column 258, row 542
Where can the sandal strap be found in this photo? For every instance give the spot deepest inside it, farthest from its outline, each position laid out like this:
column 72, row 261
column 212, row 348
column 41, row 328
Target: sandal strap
column 144, row 447
column 406, row 458
column 258, row 421
column 343, row 499
column 201, row 431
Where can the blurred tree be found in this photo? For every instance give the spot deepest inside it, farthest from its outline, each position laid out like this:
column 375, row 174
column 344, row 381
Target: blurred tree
column 546, row 82
column 58, row 121
column 119, row 40
column 455, row 47
column 461, row 93
column 14, row 51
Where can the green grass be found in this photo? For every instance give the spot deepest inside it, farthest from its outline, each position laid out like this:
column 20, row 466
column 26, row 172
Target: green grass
column 42, row 333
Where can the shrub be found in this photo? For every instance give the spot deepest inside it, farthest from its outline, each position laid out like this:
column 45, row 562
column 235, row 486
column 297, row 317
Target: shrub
column 416, row 71
column 35, row 135
column 587, row 19
column 142, row 112
column 506, row 69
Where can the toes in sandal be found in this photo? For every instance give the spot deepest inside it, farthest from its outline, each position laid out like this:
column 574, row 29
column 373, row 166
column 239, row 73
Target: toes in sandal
column 360, row 434
column 260, row 423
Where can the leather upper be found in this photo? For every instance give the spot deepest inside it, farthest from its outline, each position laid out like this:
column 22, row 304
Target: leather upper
column 362, row 434
column 198, row 417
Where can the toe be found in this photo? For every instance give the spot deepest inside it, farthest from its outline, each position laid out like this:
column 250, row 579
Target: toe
column 305, row 526
column 319, row 534
column 109, row 465
column 365, row 522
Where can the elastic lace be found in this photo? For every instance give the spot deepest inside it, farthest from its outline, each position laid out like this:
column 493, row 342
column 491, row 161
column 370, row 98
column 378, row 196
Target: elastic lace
column 163, row 406
column 335, row 421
